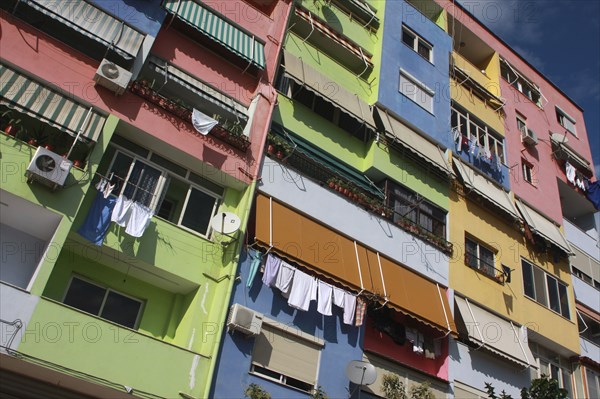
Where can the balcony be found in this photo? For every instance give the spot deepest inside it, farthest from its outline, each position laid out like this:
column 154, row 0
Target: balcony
column 585, row 293
column 581, row 239
column 589, row 349
column 475, row 73
column 16, row 308
column 114, row 355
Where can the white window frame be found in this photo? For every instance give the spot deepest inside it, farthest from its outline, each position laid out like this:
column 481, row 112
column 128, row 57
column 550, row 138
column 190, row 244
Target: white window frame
column 528, row 173
column 302, row 336
column 106, row 289
column 522, row 124
column 160, row 192
column 420, row 90
column 561, row 116
column 563, row 369
column 480, row 266
column 492, row 142
column 418, row 40
column 546, row 289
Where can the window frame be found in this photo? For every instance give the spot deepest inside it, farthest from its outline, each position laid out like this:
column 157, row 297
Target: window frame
column 421, row 90
column 162, row 186
column 528, row 172
column 418, row 40
column 520, row 83
column 537, row 291
column 483, row 133
column 486, row 269
column 561, row 116
column 107, row 290
column 558, row 365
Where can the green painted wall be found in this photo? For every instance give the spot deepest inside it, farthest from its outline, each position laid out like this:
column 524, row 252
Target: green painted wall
column 16, row 156
column 119, row 356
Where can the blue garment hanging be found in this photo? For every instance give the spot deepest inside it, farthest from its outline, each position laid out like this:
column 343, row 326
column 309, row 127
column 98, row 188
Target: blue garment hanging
column 256, row 258
column 593, row 193
column 96, row 223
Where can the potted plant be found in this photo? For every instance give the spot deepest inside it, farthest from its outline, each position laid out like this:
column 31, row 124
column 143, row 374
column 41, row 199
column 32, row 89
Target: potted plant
column 13, row 127
column 255, row 391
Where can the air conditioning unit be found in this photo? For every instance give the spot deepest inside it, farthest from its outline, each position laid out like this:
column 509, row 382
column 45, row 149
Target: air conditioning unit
column 48, row 168
column 244, row 320
column 112, row 76
column 528, row 137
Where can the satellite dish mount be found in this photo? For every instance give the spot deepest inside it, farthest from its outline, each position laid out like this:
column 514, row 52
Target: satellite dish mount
column 227, row 224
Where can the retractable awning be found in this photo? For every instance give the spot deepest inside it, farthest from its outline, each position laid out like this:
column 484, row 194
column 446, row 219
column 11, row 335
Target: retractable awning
column 485, row 188
column 564, row 151
column 198, row 87
column 218, row 29
column 544, row 227
column 25, row 95
column 92, row 22
column 414, row 141
column 495, row 334
column 328, row 89
column 350, row 263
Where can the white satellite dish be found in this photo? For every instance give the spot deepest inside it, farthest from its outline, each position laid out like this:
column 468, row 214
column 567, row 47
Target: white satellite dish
column 226, row 223
column 361, row 373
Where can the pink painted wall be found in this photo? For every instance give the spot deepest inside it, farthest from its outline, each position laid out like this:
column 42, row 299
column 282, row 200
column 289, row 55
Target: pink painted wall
column 543, row 196
column 52, row 61
column 382, row 344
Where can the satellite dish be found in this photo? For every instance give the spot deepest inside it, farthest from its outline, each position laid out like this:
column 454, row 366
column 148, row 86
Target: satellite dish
column 361, row 373
column 225, row 223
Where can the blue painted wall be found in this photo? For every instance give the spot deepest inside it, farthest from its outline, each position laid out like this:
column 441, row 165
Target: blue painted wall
column 342, row 343
column 398, row 55
column 489, row 169
column 144, row 15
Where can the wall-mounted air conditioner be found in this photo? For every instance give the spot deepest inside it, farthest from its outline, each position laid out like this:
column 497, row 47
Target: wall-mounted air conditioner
column 112, row 76
column 528, row 137
column 48, row 168
column 244, row 320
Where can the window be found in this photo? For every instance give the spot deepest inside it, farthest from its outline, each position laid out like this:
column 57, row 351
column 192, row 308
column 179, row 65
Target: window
column 566, row 121
column 418, row 44
column 287, row 358
column 410, row 205
column 522, row 125
column 593, row 383
column 554, row 366
column 327, row 110
column 485, row 138
column 104, row 302
column 174, row 193
column 528, row 174
column 545, row 289
column 416, row 91
column 480, row 257
column 523, row 85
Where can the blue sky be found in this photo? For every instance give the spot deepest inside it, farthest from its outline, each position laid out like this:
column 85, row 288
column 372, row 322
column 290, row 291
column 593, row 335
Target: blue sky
column 561, row 38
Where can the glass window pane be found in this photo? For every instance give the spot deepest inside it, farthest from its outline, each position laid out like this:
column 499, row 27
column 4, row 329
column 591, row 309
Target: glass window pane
column 121, row 309
column 120, row 168
column 553, row 294
column 593, row 384
column 528, row 279
column 142, row 183
column 85, row 296
column 174, row 198
column 564, row 300
column 408, row 38
column 424, row 50
column 198, row 211
column 540, row 286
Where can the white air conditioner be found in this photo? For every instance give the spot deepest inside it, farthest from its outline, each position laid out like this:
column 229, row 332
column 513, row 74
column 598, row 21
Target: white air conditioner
column 48, row 168
column 244, row 320
column 528, row 137
column 112, row 76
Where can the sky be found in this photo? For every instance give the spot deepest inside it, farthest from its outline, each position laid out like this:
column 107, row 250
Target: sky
column 561, row 38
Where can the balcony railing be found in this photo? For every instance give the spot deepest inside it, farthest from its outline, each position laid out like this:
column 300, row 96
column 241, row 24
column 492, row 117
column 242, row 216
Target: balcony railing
column 485, row 268
column 280, row 149
column 177, row 108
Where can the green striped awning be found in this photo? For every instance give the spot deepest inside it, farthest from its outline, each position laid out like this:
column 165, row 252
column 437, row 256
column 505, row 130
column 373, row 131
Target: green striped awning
column 25, row 95
column 91, row 21
column 219, row 29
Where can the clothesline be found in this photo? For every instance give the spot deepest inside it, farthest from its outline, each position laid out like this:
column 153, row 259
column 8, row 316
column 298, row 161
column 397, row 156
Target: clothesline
column 124, row 180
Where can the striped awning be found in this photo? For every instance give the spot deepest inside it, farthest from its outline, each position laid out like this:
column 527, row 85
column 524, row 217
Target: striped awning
column 198, row 87
column 219, row 29
column 25, row 95
column 92, row 22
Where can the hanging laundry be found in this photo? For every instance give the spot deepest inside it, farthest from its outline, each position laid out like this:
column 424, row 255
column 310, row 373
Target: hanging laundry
column 324, row 300
column 570, row 171
column 338, row 297
column 593, row 193
column 361, row 307
column 101, row 184
column 472, row 145
column 122, row 211
column 303, row 291
column 255, row 257
column 498, row 163
column 528, row 233
column 579, row 183
column 465, row 143
column 349, row 308
column 271, row 270
column 97, row 222
column 139, row 219
column 456, row 140
column 202, row 123
column 285, row 275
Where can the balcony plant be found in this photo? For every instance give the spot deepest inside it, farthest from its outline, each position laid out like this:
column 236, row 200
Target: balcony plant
column 255, row 391
column 278, row 147
column 13, row 126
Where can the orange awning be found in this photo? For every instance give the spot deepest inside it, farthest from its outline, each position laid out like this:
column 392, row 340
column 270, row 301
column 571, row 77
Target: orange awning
column 350, row 263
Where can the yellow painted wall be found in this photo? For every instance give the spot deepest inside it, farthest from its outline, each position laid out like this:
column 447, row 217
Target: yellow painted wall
column 486, row 113
column 467, row 216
